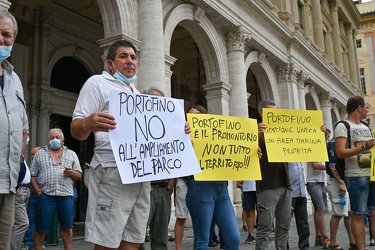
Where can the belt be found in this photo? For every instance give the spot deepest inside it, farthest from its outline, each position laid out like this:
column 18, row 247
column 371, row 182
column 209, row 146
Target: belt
column 25, row 185
column 159, row 184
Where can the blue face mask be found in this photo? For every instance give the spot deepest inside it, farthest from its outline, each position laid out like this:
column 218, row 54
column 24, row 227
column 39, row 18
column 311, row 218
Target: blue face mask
column 4, row 52
column 118, row 75
column 55, row 143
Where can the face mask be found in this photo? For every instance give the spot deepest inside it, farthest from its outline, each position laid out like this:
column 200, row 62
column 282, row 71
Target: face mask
column 122, row 77
column 4, row 52
column 54, row 143
column 27, row 140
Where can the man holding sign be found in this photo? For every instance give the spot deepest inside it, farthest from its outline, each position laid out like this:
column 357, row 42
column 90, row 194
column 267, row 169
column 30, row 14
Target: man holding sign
column 116, row 213
column 273, row 194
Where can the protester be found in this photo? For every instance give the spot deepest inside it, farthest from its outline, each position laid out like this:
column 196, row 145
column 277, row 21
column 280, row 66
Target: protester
column 56, row 167
column 273, row 194
column 118, row 224
column 31, row 205
column 12, row 129
column 207, row 201
column 21, row 221
column 357, row 167
column 161, row 204
column 316, row 188
column 299, row 203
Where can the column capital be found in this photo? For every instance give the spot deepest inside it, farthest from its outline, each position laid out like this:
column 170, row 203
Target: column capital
column 325, row 99
column 46, row 109
column 287, row 72
column 237, row 40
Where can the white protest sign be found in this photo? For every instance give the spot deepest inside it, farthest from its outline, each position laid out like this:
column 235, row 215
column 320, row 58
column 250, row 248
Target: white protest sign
column 149, row 142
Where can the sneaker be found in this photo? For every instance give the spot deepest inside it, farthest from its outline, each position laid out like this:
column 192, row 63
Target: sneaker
column 250, row 239
column 372, row 242
column 326, row 242
column 170, row 238
column 212, row 244
column 244, row 228
column 147, row 239
column 269, row 240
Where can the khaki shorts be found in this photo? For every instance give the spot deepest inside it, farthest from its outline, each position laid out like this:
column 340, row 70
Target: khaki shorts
column 115, row 212
column 181, row 211
column 333, row 194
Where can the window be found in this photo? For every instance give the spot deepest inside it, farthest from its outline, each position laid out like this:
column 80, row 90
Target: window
column 363, row 80
column 358, row 43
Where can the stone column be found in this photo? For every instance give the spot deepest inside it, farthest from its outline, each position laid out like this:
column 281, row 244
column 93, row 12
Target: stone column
column 287, row 86
column 236, row 43
column 169, row 61
column 45, row 110
column 301, row 78
column 336, row 34
column 151, row 71
column 318, row 24
column 217, row 97
column 353, row 69
column 328, row 48
column 325, row 103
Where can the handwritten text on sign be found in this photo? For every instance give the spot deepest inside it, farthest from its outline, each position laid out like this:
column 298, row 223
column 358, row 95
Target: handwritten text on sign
column 226, row 147
column 149, row 142
column 294, row 135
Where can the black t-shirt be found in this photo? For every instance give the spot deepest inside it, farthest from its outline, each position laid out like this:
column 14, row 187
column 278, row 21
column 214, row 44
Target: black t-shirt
column 274, row 174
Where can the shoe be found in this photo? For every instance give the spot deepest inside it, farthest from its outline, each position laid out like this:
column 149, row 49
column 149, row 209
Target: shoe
column 319, row 241
column 326, row 242
column 212, row 244
column 217, row 241
column 170, row 238
column 335, row 247
column 250, row 239
column 269, row 240
column 372, row 242
column 244, row 228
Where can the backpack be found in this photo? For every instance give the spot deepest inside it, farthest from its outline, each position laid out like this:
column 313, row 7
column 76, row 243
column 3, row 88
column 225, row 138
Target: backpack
column 333, row 160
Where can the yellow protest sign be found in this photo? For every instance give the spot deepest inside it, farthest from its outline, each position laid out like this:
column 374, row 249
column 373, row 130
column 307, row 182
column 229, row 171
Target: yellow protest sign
column 226, row 147
column 294, row 135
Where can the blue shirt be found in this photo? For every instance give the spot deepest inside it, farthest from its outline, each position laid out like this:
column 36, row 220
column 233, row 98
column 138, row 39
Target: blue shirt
column 297, row 179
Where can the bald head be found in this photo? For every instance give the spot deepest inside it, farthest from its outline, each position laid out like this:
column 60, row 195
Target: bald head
column 34, row 150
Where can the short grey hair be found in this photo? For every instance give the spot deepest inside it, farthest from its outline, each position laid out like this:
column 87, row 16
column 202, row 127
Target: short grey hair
column 56, row 129
column 5, row 13
column 265, row 103
column 151, row 91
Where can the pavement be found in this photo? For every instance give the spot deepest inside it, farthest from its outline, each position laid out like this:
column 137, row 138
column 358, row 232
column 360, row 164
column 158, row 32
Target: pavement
column 342, row 238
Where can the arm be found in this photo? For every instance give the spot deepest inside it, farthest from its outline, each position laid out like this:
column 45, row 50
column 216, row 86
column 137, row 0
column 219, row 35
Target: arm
column 170, row 185
column 318, row 165
column 343, row 152
column 74, row 174
column 342, row 188
column 81, row 128
column 239, row 184
column 35, row 186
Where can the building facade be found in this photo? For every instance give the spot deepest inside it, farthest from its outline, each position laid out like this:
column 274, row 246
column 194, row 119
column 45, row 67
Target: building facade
column 365, row 43
column 228, row 55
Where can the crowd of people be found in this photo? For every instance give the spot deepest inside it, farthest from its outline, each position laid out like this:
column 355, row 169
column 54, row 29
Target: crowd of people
column 118, row 214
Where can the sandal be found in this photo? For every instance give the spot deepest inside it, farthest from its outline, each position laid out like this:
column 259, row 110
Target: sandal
column 354, row 247
column 335, row 247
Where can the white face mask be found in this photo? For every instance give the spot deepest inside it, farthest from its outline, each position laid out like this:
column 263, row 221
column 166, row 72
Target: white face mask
column 118, row 75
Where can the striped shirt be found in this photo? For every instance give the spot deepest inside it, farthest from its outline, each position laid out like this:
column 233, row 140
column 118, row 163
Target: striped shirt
column 51, row 177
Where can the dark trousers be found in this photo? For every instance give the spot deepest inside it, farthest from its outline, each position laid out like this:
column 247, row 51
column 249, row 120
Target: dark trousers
column 299, row 209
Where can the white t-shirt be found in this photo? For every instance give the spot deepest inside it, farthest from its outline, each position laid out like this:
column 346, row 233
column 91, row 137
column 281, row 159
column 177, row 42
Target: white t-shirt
column 248, row 186
column 94, row 97
column 315, row 175
column 357, row 165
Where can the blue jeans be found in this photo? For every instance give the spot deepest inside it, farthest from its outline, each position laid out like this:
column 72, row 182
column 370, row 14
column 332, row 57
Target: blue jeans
column 358, row 189
column 207, row 201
